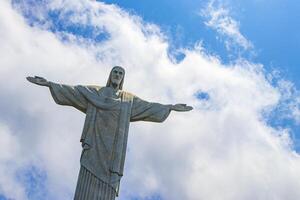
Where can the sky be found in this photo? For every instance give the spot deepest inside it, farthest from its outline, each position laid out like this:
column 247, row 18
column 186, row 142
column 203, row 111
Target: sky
column 234, row 61
column 265, row 23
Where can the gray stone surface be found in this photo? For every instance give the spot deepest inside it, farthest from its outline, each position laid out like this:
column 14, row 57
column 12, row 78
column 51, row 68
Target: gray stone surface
column 109, row 110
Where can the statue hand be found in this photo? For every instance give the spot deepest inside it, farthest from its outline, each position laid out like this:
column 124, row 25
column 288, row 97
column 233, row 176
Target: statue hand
column 181, row 107
column 38, row 80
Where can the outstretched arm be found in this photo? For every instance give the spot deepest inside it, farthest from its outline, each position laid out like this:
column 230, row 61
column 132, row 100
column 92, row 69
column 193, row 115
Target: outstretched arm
column 62, row 94
column 155, row 112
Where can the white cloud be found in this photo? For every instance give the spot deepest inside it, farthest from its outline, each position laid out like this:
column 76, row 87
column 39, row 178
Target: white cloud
column 9, row 161
column 219, row 18
column 290, row 106
column 224, row 145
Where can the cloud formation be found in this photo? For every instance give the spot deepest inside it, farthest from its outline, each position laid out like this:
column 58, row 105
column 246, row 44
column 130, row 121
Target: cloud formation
column 218, row 18
column 224, row 149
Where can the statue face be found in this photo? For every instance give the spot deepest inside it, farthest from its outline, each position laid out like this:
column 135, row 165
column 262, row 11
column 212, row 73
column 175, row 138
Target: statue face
column 117, row 75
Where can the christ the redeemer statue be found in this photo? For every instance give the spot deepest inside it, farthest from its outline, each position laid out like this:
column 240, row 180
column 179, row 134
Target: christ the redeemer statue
column 109, row 110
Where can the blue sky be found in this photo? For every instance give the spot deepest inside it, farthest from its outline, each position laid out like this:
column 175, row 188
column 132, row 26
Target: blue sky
column 75, row 41
column 272, row 26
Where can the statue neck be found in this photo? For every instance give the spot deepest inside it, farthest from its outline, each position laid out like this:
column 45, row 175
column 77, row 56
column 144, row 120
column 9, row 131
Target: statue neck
column 114, row 86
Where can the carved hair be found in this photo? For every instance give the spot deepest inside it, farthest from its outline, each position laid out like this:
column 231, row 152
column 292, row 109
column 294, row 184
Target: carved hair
column 109, row 78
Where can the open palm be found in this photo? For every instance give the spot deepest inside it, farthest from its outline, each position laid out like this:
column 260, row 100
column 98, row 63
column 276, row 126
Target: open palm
column 38, row 80
column 181, row 107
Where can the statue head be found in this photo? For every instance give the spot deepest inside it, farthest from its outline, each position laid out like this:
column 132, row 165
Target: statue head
column 116, row 77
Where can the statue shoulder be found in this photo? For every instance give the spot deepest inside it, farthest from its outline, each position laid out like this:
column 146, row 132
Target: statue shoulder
column 94, row 87
column 85, row 89
column 128, row 95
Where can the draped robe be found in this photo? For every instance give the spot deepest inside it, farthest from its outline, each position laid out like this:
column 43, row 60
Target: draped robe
column 105, row 132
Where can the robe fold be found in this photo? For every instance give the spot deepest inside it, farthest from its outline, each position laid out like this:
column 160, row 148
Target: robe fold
column 105, row 132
